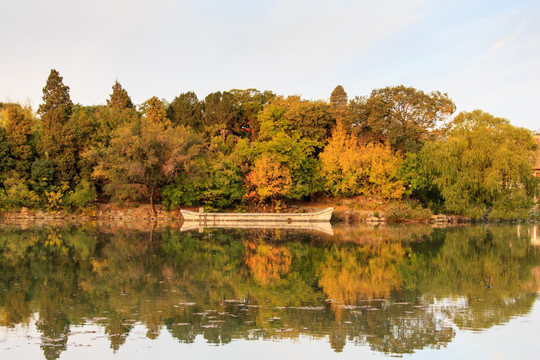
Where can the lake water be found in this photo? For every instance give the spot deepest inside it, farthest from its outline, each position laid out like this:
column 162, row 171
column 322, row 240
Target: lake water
column 73, row 292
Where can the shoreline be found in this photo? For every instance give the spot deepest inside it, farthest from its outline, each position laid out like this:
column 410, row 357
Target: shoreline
column 109, row 212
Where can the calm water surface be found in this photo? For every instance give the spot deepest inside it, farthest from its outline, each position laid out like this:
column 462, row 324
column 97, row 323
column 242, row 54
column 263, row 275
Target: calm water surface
column 395, row 291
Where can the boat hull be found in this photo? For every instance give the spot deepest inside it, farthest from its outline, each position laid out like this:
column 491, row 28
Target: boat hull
column 319, row 216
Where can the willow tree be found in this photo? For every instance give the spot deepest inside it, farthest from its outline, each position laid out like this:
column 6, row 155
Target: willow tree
column 484, row 167
column 146, row 154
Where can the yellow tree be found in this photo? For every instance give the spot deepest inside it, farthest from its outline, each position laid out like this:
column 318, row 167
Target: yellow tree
column 353, row 168
column 268, row 179
column 19, row 128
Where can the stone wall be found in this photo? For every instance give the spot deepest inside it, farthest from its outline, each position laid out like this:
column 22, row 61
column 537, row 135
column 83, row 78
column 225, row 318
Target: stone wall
column 103, row 212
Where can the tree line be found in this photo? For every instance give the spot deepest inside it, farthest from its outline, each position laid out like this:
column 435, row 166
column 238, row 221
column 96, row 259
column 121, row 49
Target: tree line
column 246, row 148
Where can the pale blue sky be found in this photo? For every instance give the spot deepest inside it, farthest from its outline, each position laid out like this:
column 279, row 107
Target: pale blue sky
column 485, row 54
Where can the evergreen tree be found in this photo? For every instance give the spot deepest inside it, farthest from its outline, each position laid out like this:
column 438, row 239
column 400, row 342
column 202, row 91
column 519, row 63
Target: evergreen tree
column 338, row 98
column 57, row 133
column 338, row 102
column 119, row 98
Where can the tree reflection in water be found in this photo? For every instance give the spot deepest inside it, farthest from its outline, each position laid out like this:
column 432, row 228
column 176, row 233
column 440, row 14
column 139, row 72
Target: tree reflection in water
column 392, row 289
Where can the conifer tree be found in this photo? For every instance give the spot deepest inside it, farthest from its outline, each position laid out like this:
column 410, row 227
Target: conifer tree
column 119, row 99
column 338, row 102
column 338, row 98
column 58, row 135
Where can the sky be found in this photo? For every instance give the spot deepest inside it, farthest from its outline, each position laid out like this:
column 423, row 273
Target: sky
column 485, row 54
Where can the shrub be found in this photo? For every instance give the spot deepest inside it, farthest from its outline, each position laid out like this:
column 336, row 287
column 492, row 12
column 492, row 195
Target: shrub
column 83, row 198
column 16, row 195
column 407, row 210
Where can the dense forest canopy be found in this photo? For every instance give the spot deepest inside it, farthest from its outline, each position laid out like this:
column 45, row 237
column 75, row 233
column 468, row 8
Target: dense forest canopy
column 246, row 148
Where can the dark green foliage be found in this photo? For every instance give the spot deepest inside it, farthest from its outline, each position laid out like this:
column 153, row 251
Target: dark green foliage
column 220, row 113
column 216, row 181
column 234, row 112
column 83, row 122
column 418, row 181
column 187, row 110
column 58, row 137
column 250, row 103
column 403, row 116
column 5, row 160
column 42, row 175
column 314, row 120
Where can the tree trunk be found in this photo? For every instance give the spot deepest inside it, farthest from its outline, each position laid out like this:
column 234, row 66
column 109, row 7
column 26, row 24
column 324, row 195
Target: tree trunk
column 152, row 202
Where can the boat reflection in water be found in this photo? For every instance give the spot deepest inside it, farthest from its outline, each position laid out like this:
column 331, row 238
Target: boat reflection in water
column 324, row 227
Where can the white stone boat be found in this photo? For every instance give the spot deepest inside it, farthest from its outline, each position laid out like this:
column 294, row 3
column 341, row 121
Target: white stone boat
column 216, row 218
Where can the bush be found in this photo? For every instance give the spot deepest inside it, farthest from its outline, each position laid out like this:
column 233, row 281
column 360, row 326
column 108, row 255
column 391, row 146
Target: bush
column 83, row 198
column 407, row 210
column 16, row 195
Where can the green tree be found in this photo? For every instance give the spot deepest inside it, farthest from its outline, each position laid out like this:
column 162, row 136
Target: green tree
column 234, row 112
column 484, row 166
column 57, row 133
column 278, row 142
column 147, row 153
column 403, row 116
column 220, row 113
column 83, row 123
column 216, row 181
column 250, row 103
column 5, row 160
column 186, row 109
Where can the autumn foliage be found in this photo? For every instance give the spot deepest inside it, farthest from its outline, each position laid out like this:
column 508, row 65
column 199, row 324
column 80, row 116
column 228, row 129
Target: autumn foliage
column 268, row 180
column 352, row 167
column 238, row 148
